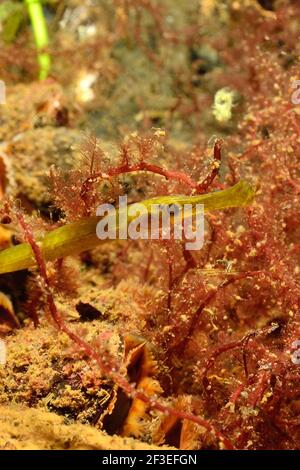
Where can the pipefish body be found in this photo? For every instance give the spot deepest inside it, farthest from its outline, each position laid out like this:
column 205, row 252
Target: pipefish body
column 75, row 237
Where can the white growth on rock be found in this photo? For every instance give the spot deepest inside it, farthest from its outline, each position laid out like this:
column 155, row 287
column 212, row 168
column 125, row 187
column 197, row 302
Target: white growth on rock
column 224, row 101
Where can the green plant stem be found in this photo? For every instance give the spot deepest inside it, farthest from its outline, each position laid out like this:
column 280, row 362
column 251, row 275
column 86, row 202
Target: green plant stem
column 40, row 33
column 79, row 236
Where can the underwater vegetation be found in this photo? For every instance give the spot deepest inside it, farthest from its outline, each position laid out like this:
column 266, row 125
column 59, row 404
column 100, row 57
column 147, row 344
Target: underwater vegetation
column 171, row 102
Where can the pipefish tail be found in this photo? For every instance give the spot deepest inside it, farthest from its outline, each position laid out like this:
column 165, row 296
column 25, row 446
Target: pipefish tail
column 73, row 238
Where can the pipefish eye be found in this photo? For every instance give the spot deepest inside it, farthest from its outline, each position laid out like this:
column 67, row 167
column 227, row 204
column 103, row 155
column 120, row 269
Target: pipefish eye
column 172, row 209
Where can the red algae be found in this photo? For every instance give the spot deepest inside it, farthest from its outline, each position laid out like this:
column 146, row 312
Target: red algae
column 195, row 349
